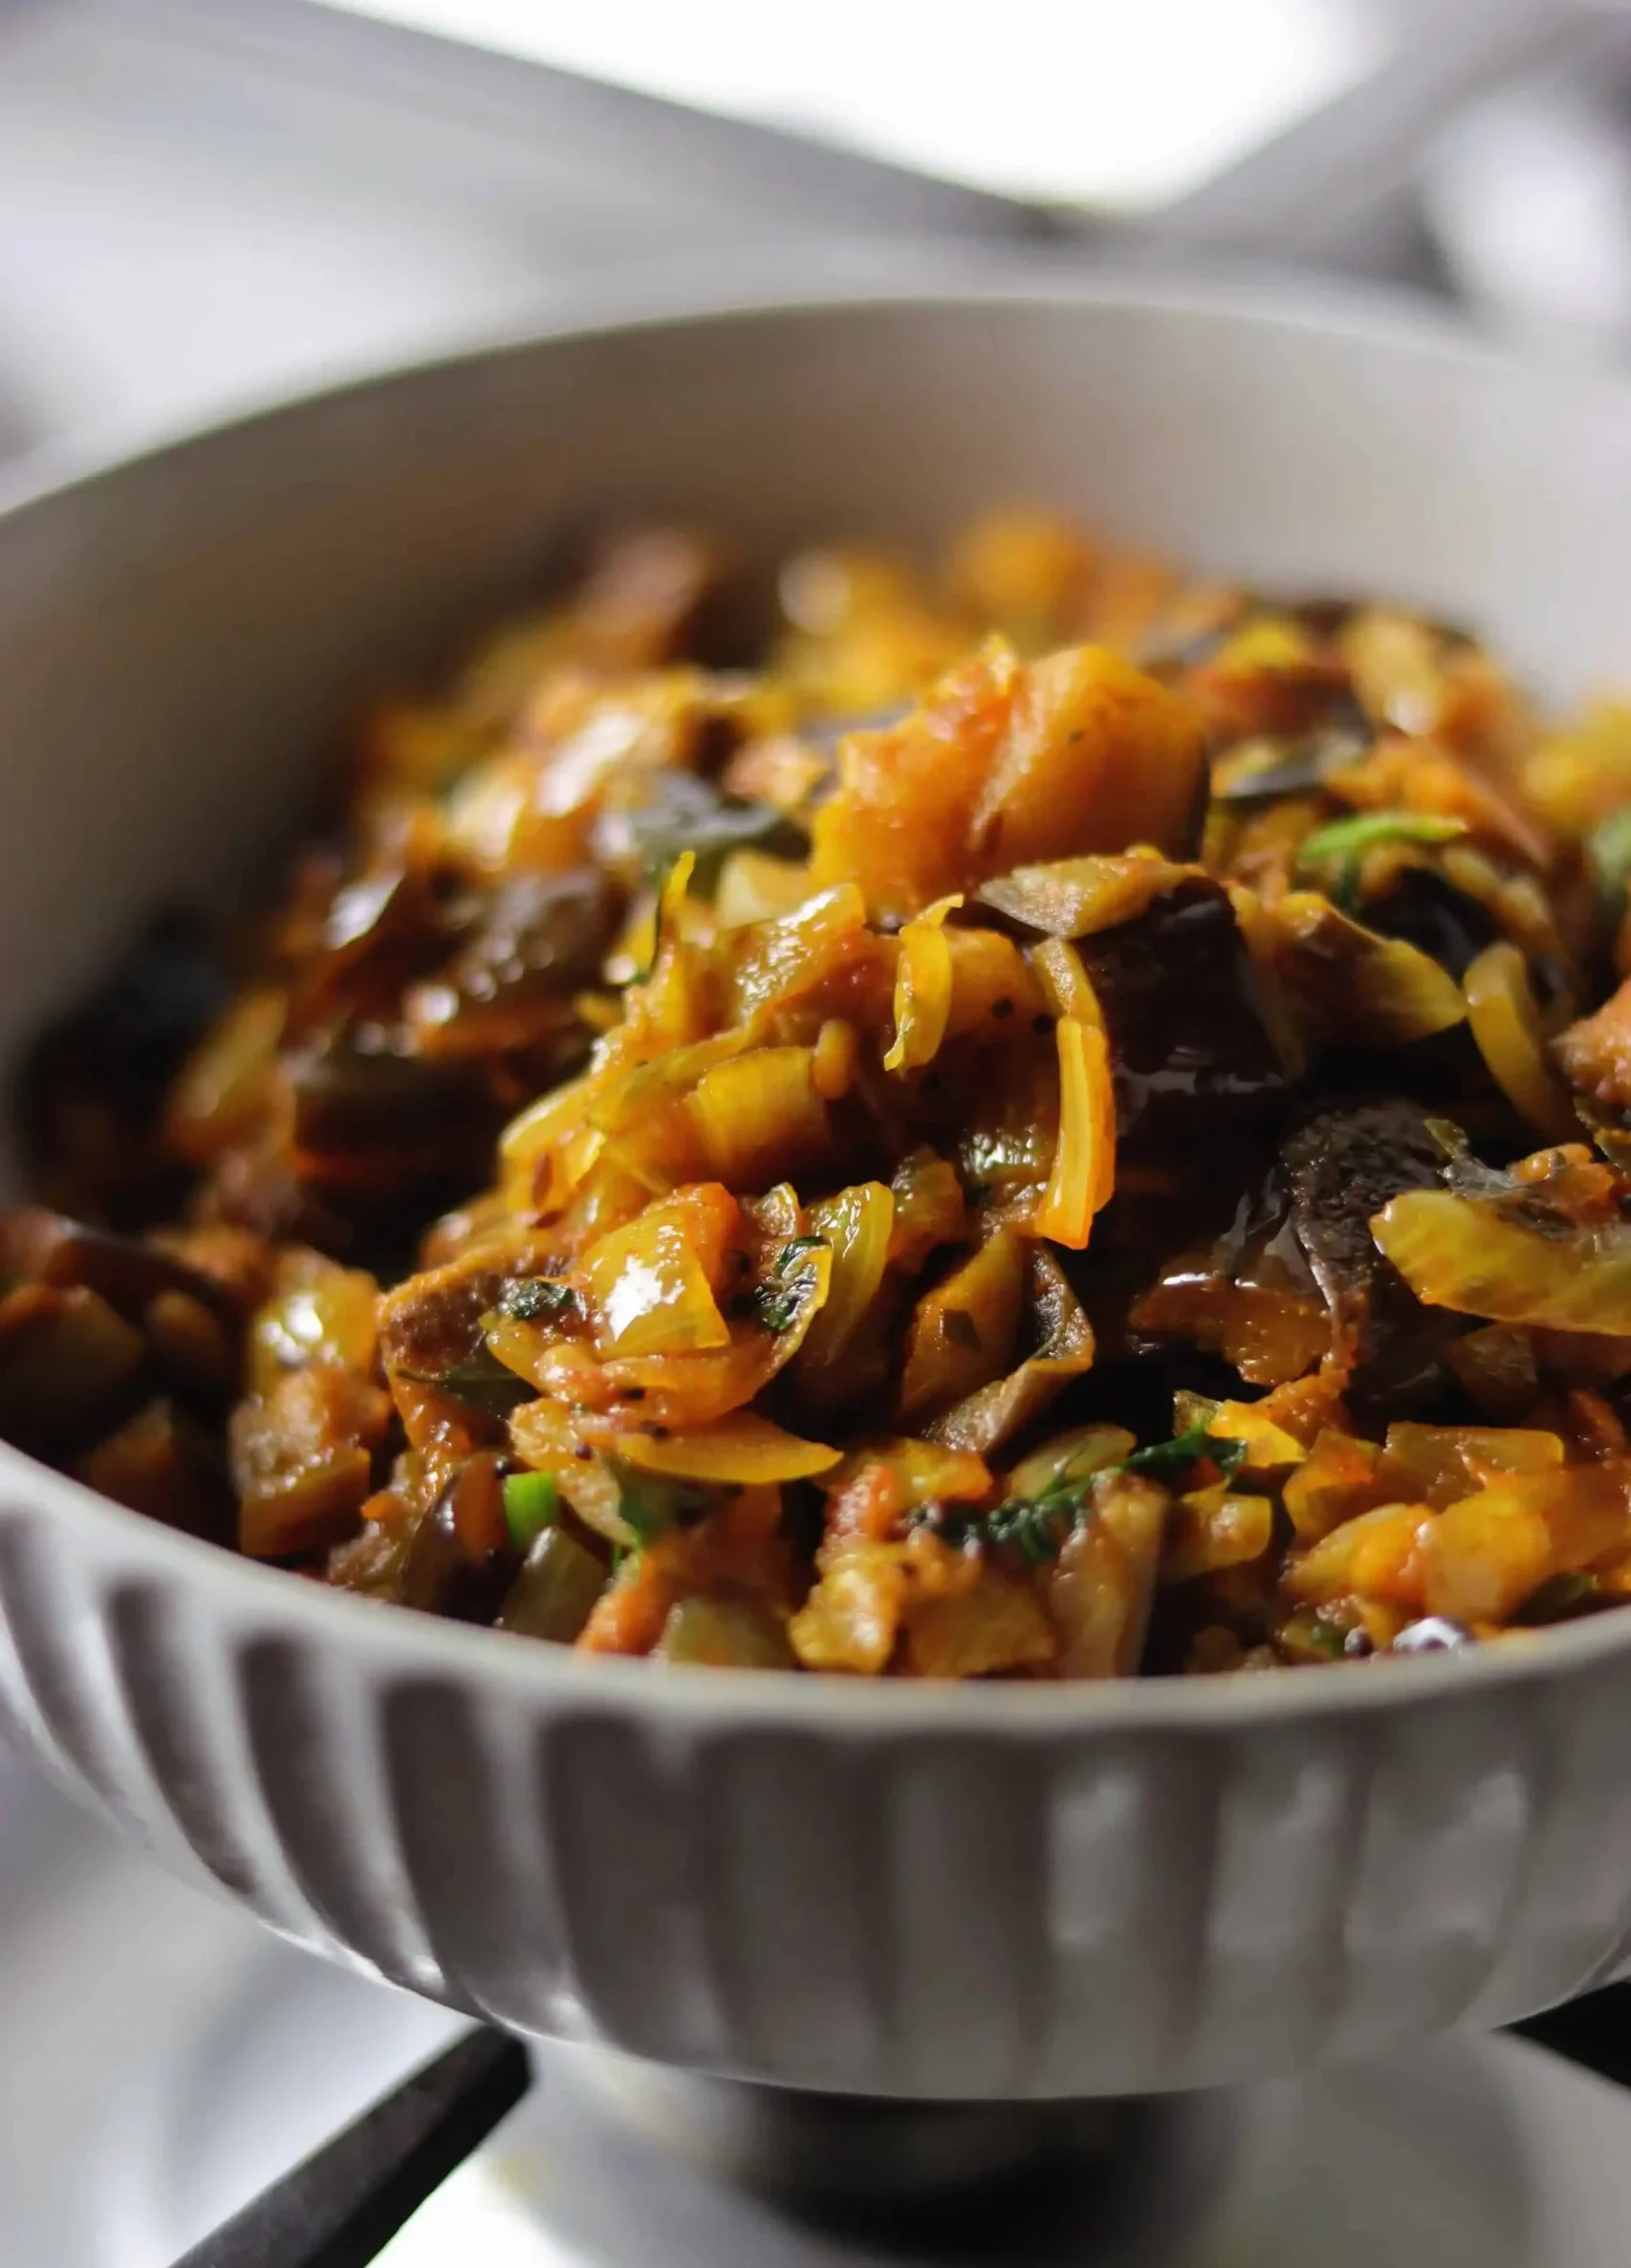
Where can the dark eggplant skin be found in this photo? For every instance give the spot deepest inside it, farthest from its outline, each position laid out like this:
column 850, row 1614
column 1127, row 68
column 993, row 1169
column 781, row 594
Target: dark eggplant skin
column 1190, row 1052
column 1339, row 1169
column 89, row 1096
column 1302, row 1229
column 1430, row 913
column 462, row 1560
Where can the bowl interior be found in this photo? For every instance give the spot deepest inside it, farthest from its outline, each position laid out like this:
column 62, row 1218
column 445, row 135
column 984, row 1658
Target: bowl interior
column 183, row 636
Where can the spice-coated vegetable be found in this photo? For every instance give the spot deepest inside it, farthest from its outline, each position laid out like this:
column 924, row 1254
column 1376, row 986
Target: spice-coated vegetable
column 999, row 1142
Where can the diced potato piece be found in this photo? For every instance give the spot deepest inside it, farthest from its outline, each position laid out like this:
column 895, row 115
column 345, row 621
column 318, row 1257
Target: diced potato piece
column 1441, row 1464
column 1097, row 756
column 1340, row 1479
column 725, row 1634
column 998, row 1624
column 899, row 823
column 1377, row 1554
column 1483, row 1557
column 852, row 1618
column 1214, row 1528
column 1101, row 1586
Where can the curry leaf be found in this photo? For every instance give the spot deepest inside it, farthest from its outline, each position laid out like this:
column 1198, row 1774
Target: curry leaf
column 481, row 1382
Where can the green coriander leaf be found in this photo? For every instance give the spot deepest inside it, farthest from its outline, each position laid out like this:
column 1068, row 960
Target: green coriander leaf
column 774, row 1304
column 1164, row 1460
column 538, row 1300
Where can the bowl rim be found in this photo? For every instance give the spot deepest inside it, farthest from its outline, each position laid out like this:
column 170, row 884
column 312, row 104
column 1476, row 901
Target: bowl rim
column 130, row 1551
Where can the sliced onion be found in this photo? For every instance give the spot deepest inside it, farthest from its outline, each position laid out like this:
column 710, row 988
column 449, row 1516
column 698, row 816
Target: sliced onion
column 1083, row 1176
column 922, row 989
column 1350, row 983
column 741, row 1450
column 760, row 1116
column 1215, row 1528
column 1506, row 1023
column 1076, row 897
column 1456, row 1252
column 857, row 1223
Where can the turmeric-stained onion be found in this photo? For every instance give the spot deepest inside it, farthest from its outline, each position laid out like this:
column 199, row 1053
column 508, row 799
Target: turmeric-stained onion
column 739, row 1451
column 922, row 989
column 1460, row 1252
column 1084, row 1163
column 858, row 1224
column 1506, row 1024
column 1075, row 897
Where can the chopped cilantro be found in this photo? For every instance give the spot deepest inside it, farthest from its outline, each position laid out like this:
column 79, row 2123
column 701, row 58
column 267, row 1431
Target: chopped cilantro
column 1163, row 1459
column 774, row 1303
column 538, row 1300
column 1039, row 1527
column 532, row 1503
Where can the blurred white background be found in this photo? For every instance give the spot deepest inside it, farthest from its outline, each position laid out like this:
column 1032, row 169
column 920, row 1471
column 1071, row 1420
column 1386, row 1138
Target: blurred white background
column 202, row 198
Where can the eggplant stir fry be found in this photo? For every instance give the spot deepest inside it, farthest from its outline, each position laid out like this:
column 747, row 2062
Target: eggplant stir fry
column 1063, row 1123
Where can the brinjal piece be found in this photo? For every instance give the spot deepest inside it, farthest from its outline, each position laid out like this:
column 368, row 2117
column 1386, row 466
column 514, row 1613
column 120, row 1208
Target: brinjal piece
column 648, row 594
column 462, row 1558
column 1431, row 914
column 552, row 1597
column 164, row 1464
column 432, row 1324
column 41, row 1247
column 91, row 1093
column 1190, row 1053
column 376, row 1126
column 69, row 1365
column 381, row 932
column 304, row 1459
column 1298, row 1275
column 541, row 938
column 1339, row 1169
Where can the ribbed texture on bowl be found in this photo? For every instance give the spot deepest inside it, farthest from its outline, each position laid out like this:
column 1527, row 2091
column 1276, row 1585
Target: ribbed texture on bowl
column 986, row 1909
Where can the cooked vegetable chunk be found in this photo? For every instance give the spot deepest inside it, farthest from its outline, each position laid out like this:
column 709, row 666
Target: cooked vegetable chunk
column 989, row 1134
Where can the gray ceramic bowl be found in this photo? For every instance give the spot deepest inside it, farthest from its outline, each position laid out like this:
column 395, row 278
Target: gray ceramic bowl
column 989, row 1892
